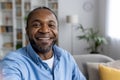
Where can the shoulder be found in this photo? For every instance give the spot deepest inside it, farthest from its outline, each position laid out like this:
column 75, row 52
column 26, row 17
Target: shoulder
column 15, row 54
column 60, row 51
column 14, row 61
column 63, row 54
column 12, row 64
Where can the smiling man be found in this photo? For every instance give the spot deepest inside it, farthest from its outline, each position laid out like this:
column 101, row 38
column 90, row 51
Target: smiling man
column 41, row 59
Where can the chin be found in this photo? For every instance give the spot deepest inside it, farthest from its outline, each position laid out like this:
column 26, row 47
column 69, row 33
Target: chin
column 42, row 48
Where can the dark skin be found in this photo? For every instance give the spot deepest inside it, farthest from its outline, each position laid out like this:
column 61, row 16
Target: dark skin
column 42, row 32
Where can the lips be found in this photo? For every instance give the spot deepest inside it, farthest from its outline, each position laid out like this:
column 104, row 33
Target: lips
column 43, row 38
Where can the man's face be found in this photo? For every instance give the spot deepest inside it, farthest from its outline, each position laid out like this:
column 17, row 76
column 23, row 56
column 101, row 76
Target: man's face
column 42, row 30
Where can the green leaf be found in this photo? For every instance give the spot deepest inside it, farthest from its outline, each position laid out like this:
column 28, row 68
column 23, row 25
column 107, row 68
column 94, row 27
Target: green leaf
column 92, row 37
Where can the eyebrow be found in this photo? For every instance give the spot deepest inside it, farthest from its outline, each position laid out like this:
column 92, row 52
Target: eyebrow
column 36, row 20
column 52, row 21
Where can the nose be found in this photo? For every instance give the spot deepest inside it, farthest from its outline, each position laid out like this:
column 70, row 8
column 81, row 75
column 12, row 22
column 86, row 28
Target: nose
column 44, row 29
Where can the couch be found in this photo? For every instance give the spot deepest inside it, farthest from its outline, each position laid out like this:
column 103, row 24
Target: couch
column 82, row 61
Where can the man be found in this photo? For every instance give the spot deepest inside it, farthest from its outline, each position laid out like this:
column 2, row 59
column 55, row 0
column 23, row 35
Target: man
column 41, row 59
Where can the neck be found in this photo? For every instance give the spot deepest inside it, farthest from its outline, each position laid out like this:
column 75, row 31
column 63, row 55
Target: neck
column 47, row 55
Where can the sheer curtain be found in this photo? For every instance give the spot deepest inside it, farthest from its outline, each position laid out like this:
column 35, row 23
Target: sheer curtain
column 113, row 22
column 113, row 28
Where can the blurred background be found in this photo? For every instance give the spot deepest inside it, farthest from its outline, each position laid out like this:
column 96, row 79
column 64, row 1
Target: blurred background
column 101, row 15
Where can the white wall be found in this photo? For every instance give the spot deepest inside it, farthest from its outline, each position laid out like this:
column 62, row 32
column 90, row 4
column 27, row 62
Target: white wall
column 102, row 12
column 87, row 17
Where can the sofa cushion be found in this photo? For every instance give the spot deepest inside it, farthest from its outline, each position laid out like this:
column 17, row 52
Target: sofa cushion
column 82, row 59
column 113, row 64
column 93, row 68
column 109, row 73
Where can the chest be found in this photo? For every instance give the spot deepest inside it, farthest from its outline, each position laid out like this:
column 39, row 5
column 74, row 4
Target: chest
column 32, row 71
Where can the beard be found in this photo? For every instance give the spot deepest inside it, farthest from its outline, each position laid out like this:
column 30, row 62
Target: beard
column 41, row 49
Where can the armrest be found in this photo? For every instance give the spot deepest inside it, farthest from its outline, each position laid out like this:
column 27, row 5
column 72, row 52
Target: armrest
column 82, row 59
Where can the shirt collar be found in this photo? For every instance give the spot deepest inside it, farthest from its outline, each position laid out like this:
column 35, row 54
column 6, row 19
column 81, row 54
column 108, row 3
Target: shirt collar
column 57, row 52
column 35, row 57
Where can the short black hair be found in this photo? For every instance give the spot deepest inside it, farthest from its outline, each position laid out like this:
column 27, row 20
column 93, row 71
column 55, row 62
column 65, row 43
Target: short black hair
column 38, row 8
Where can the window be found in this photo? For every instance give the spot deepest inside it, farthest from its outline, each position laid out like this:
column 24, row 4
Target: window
column 113, row 20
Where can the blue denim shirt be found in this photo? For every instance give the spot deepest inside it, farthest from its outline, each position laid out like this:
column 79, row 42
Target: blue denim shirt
column 25, row 64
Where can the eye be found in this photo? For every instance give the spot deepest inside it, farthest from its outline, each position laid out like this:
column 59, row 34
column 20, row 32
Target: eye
column 51, row 25
column 36, row 24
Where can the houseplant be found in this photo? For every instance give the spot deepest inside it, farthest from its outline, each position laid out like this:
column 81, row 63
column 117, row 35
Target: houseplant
column 93, row 39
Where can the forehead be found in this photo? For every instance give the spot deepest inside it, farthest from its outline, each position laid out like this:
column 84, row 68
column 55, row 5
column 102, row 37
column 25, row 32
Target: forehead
column 42, row 13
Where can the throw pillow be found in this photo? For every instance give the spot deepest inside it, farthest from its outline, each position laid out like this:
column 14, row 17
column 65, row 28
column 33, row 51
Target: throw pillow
column 92, row 68
column 113, row 64
column 108, row 73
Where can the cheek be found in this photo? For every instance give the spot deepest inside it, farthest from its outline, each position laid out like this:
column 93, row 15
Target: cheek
column 31, row 33
column 55, row 32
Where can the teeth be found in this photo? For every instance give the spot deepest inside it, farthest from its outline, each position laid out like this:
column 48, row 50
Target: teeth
column 44, row 38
